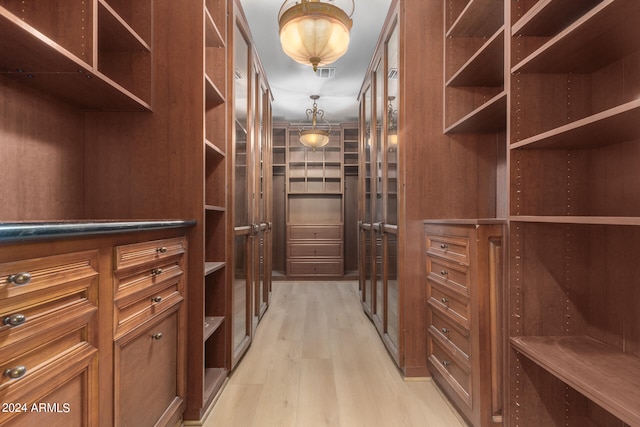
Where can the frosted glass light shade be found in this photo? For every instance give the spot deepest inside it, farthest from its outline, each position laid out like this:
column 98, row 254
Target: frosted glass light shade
column 314, row 138
column 314, row 33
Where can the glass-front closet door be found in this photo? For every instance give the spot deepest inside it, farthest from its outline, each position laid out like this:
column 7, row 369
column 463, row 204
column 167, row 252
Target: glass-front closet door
column 390, row 190
column 241, row 295
column 367, row 188
column 378, row 212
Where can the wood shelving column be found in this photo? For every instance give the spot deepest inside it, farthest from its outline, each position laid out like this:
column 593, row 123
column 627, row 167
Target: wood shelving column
column 573, row 353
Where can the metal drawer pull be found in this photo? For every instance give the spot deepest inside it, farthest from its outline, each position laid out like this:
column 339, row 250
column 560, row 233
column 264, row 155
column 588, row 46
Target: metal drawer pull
column 161, row 250
column 444, row 330
column 157, row 336
column 156, row 299
column 444, row 272
column 156, row 272
column 15, row 373
column 444, row 300
column 444, row 246
column 14, row 320
column 446, row 363
column 19, row 278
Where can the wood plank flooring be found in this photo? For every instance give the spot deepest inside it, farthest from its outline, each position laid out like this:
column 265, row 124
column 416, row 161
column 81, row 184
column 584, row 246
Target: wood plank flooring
column 317, row 360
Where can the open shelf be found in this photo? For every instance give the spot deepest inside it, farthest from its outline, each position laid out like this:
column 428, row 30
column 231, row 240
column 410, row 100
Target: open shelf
column 211, row 324
column 485, row 68
column 212, row 267
column 480, row 18
column 213, row 380
column 601, row 373
column 611, row 126
column 213, row 36
column 213, row 95
column 572, row 219
column 548, row 17
column 587, row 44
column 30, row 57
column 489, row 117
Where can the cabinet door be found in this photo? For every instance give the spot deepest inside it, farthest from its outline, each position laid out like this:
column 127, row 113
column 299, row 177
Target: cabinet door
column 390, row 191
column 241, row 295
column 367, row 189
column 377, row 201
column 145, row 372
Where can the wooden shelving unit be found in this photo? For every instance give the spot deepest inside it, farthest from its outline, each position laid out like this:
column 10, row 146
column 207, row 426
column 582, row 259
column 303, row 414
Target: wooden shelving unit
column 574, row 214
column 55, row 54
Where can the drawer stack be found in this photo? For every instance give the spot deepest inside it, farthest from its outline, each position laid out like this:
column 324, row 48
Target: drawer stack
column 464, row 270
column 315, row 250
column 48, row 357
column 149, row 288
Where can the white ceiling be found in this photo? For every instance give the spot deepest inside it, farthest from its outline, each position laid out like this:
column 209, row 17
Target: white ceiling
column 293, row 83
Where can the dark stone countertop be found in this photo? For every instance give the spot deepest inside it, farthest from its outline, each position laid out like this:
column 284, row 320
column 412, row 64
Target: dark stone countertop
column 41, row 230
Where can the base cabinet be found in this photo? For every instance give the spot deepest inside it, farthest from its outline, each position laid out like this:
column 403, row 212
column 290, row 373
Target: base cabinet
column 92, row 330
column 464, row 266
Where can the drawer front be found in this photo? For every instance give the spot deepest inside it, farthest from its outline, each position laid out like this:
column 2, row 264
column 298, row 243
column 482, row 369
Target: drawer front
column 146, row 373
column 316, row 268
column 455, row 374
column 42, row 355
column 450, row 304
column 36, row 280
column 138, row 254
column 128, row 284
column 451, row 333
column 324, row 249
column 315, row 232
column 448, row 273
column 59, row 396
column 130, row 312
column 453, row 248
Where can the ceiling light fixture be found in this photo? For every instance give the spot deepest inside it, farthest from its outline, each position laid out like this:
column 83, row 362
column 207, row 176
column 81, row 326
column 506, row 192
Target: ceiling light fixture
column 314, row 32
column 311, row 135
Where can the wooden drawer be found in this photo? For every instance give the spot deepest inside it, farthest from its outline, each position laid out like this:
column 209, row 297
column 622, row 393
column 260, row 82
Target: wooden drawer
column 453, row 248
column 63, row 385
column 455, row 373
column 450, row 333
column 317, row 249
column 148, row 252
column 38, row 356
column 36, row 280
column 451, row 305
column 145, row 370
column 134, row 309
column 154, row 274
column 316, row 268
column 448, row 273
column 316, row 232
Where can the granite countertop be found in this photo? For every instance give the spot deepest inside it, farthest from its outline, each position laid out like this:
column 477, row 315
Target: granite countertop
column 40, row 230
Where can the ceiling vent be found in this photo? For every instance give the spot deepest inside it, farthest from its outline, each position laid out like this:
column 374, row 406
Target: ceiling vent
column 326, row 72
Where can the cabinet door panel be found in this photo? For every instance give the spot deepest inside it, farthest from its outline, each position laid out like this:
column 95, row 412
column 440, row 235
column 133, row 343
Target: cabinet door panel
column 146, row 373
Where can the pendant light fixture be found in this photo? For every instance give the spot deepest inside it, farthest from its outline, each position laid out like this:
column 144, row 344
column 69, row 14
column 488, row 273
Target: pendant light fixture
column 315, row 32
column 313, row 134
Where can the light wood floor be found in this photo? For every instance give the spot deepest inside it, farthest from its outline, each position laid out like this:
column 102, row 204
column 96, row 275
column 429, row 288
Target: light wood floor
column 317, row 361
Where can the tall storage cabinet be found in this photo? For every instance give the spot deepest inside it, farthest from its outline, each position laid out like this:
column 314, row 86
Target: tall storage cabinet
column 573, row 354
column 315, row 208
column 421, row 160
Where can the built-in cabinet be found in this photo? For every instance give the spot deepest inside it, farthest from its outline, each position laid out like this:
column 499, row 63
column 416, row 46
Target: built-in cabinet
column 572, row 351
column 315, row 203
column 94, row 327
column 423, row 159
column 126, row 122
column 464, row 270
